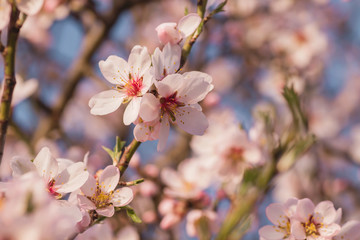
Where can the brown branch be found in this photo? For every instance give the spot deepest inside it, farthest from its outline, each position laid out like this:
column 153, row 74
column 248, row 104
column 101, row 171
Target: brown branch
column 9, row 79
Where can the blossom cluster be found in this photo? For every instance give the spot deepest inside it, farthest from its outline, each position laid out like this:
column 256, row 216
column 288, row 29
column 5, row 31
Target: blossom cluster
column 301, row 219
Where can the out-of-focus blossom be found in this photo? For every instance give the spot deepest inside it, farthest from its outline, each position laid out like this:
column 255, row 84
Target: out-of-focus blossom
column 23, row 89
column 350, row 231
column 98, row 231
column 172, row 210
column 128, row 233
column 188, row 181
column 29, row 7
column 100, row 194
column 61, row 176
column 177, row 103
column 194, row 216
column 301, row 46
column 132, row 80
column 174, row 33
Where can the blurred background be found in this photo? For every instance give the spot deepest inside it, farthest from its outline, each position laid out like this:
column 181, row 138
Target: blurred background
column 252, row 50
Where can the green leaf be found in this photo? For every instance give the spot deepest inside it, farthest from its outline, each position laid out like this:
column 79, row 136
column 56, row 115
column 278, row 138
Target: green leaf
column 186, row 11
column 131, row 213
column 115, row 154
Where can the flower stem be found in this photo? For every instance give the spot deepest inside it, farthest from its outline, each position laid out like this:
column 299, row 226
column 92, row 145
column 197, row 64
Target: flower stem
column 127, row 155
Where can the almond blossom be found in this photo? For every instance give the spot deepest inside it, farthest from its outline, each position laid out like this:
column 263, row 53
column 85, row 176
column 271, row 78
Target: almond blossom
column 132, row 79
column 280, row 215
column 349, row 231
column 174, row 33
column 176, row 103
column 61, row 175
column 196, row 215
column 315, row 222
column 100, row 194
column 29, row 7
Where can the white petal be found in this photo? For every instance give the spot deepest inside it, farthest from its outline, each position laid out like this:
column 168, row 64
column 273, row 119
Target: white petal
column 325, row 212
column 20, row 166
column 24, row 90
column 149, row 108
column 107, row 211
column 139, row 60
column 89, row 187
column 275, row 212
column 115, row 70
column 305, row 208
column 193, row 90
column 329, row 230
column 297, row 230
column 350, row 231
column 106, row 102
column 171, row 56
column 132, row 110
column 45, row 164
column 164, row 133
column 72, row 178
column 109, row 179
column 5, row 11
column 85, row 203
column 188, row 24
column 171, row 178
column 148, row 80
column 272, row 232
column 191, row 120
column 122, row 197
column 63, row 163
column 158, row 64
column 170, row 84
column 29, row 7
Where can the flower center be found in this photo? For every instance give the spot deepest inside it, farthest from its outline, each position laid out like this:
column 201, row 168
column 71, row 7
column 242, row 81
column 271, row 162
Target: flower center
column 101, row 199
column 169, row 105
column 235, row 154
column 51, row 189
column 132, row 87
column 312, row 228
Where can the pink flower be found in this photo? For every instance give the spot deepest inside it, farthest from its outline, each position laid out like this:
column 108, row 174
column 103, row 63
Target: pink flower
column 280, row 215
column 131, row 79
column 177, row 103
column 61, row 175
column 174, row 33
column 100, row 194
column 312, row 222
column 29, row 7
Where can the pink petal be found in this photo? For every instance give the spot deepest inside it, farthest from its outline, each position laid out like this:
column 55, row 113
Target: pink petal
column 164, row 133
column 89, row 187
column 106, row 102
column 45, row 164
column 191, row 120
column 188, row 24
column 132, row 110
column 109, row 179
column 85, row 203
column 329, row 230
column 29, row 7
column 305, row 208
column 139, row 60
column 272, row 233
column 147, row 82
column 107, row 211
column 149, row 108
column 147, row 131
column 168, row 33
column 72, row 178
column 350, row 231
column 275, row 212
column 158, row 64
column 5, row 10
column 297, row 230
column 63, row 163
column 325, row 212
column 115, row 70
column 122, row 197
